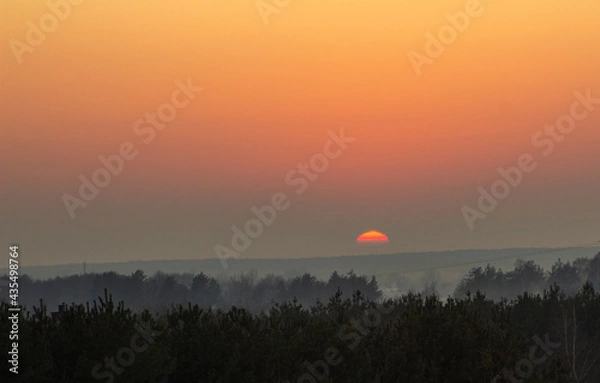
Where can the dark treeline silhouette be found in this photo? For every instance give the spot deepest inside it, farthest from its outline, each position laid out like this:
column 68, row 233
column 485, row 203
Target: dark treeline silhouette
column 160, row 291
column 523, row 325
column 547, row 338
column 530, row 277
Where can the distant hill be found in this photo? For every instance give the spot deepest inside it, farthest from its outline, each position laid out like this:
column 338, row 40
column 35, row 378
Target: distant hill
column 449, row 265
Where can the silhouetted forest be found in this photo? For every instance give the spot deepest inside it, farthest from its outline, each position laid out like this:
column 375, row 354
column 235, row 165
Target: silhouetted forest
column 529, row 277
column 548, row 338
column 306, row 330
column 160, row 290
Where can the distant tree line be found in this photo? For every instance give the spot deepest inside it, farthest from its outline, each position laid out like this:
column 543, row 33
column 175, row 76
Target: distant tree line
column 160, row 291
column 527, row 276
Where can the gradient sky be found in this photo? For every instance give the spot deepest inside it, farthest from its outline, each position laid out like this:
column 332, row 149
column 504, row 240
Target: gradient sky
column 272, row 92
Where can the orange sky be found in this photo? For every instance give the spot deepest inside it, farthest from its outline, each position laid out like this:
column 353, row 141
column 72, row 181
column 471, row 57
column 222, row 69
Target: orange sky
column 424, row 144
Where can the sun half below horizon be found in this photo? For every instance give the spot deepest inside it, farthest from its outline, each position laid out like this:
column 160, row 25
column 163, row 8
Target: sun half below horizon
column 372, row 237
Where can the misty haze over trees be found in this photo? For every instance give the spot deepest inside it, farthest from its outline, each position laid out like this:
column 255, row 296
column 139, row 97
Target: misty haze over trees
column 161, row 290
column 350, row 336
column 497, row 327
column 527, row 276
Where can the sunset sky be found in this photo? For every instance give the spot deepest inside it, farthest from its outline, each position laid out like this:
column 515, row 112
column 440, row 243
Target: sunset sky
column 273, row 94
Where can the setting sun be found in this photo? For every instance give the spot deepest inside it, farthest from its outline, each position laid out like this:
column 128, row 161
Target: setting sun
column 372, row 237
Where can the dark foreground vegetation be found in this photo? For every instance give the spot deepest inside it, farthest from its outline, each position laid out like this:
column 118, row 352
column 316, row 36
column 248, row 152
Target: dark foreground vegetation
column 544, row 338
column 162, row 329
